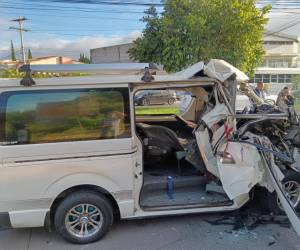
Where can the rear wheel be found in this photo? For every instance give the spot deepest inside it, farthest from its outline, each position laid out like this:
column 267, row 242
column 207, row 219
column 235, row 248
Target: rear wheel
column 83, row 217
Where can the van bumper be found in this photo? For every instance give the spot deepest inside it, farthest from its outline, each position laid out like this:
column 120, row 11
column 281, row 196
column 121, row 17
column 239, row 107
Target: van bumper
column 5, row 222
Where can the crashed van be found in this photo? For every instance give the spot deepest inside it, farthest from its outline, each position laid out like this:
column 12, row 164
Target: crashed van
column 74, row 154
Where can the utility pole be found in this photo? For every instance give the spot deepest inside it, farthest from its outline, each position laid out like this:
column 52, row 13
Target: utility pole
column 20, row 20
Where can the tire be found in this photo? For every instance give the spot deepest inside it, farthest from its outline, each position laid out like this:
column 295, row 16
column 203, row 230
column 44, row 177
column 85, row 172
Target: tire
column 69, row 219
column 171, row 101
column 145, row 102
column 291, row 181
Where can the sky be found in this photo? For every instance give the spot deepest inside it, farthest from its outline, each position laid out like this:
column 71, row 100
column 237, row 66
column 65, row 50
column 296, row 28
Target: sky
column 71, row 27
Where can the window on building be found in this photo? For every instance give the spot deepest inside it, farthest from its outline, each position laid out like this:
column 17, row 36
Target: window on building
column 64, row 115
column 282, row 62
column 278, row 42
column 274, row 78
column 281, row 78
column 258, row 77
column 288, row 78
column 266, row 78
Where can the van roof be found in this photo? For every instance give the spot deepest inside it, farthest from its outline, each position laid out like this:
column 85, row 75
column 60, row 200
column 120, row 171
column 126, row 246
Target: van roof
column 185, row 75
column 82, row 80
column 216, row 70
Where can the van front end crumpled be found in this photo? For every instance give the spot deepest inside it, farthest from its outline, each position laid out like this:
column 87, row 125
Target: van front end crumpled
column 259, row 146
column 275, row 176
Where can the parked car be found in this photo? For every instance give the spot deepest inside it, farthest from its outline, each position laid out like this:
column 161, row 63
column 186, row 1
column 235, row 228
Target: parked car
column 75, row 156
column 152, row 97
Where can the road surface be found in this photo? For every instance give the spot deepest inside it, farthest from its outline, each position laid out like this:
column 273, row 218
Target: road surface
column 170, row 233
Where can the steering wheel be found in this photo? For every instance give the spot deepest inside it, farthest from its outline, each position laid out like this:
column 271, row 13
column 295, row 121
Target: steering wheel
column 270, row 101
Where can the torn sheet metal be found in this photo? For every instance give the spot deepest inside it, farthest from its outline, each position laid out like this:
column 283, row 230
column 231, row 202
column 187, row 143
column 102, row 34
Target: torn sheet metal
column 213, row 116
column 205, row 148
column 273, row 174
column 241, row 176
column 222, row 71
column 191, row 71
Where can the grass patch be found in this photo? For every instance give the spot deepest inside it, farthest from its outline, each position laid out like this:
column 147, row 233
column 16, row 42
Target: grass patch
column 156, row 110
column 297, row 106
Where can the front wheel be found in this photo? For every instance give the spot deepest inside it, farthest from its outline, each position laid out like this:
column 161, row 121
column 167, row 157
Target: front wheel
column 291, row 186
column 83, row 217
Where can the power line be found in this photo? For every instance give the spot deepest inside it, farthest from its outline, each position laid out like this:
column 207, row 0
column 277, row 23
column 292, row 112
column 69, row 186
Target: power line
column 112, row 3
column 72, row 17
column 65, row 8
column 64, row 34
column 20, row 20
column 286, row 26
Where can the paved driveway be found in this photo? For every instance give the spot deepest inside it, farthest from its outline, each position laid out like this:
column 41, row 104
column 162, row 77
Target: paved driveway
column 184, row 232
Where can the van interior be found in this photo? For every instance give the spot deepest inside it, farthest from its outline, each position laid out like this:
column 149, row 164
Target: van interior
column 170, row 151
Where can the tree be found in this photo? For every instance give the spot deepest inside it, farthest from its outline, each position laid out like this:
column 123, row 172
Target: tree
column 198, row 30
column 84, row 59
column 29, row 55
column 296, row 86
column 12, row 51
column 149, row 47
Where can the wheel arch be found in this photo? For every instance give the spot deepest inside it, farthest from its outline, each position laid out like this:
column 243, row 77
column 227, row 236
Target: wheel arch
column 84, row 187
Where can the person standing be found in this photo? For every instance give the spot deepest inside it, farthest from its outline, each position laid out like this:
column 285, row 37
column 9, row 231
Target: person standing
column 259, row 90
column 285, row 99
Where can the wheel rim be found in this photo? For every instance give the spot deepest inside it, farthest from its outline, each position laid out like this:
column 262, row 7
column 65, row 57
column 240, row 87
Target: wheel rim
column 292, row 191
column 84, row 220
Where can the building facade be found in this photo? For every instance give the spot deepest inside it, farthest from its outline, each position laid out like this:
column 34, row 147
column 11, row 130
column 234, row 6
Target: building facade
column 40, row 60
column 111, row 54
column 281, row 61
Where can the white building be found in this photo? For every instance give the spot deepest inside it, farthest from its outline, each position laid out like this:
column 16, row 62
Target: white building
column 281, row 62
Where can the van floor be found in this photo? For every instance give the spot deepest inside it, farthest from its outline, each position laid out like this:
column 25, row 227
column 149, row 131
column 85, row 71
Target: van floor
column 189, row 189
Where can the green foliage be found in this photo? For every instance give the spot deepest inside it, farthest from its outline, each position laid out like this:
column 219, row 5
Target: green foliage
column 12, row 51
column 15, row 74
column 29, row 55
column 84, row 59
column 296, row 90
column 296, row 82
column 266, row 88
column 11, row 73
column 197, row 30
column 149, row 47
column 156, row 110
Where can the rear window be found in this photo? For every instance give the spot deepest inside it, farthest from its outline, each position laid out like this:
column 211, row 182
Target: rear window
column 45, row 116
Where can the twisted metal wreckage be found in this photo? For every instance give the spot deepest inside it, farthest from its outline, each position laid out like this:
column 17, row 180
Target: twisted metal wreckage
column 266, row 138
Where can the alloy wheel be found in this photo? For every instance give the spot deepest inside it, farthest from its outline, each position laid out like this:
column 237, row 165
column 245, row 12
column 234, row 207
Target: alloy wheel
column 84, row 220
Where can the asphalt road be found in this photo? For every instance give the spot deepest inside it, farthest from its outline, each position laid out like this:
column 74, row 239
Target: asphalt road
column 184, row 232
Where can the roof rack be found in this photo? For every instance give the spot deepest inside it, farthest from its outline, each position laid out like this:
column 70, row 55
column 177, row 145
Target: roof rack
column 86, row 68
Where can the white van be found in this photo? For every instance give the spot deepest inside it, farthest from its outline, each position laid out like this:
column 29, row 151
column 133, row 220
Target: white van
column 74, row 154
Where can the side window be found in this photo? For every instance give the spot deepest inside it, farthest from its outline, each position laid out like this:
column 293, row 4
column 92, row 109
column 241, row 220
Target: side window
column 64, row 115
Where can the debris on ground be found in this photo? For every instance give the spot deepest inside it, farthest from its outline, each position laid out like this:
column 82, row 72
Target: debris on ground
column 244, row 222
